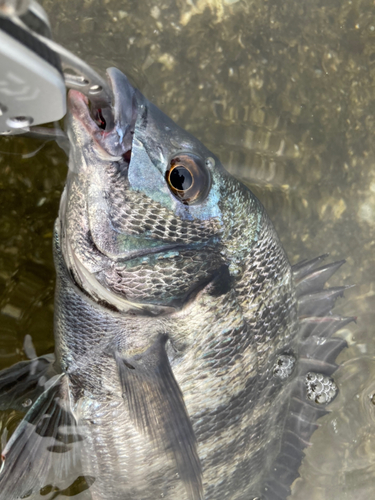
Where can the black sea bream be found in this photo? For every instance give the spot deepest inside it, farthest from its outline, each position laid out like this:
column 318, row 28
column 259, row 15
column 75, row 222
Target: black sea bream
column 192, row 361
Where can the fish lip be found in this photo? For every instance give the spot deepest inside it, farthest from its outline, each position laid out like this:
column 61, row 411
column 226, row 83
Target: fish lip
column 115, row 138
column 78, row 105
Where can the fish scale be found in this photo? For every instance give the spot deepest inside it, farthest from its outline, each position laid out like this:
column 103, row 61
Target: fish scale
column 132, row 213
column 191, row 361
column 147, row 281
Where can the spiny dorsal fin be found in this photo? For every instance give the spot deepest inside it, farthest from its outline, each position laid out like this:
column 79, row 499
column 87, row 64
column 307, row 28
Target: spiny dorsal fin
column 317, row 351
column 304, row 267
column 322, row 326
column 319, row 303
column 326, row 350
column 316, row 279
column 157, row 407
column 300, row 424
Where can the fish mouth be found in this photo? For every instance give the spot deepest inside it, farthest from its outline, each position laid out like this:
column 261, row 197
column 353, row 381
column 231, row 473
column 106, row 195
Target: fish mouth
column 111, row 126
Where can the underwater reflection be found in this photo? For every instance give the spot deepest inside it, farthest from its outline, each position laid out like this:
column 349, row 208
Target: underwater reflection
column 284, row 99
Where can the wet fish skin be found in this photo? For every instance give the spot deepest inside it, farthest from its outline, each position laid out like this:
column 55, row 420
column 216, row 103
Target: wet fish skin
column 165, row 309
column 232, row 334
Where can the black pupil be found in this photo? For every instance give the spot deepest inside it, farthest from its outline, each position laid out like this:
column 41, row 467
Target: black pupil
column 180, row 178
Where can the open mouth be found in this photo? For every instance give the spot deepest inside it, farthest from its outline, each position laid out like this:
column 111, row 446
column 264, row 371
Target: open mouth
column 112, row 126
column 103, row 117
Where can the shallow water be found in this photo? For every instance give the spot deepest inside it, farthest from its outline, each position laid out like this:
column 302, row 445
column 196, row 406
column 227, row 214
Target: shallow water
column 283, row 92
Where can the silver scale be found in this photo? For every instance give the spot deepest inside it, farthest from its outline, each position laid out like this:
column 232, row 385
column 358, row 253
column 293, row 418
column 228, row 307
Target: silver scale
column 35, row 71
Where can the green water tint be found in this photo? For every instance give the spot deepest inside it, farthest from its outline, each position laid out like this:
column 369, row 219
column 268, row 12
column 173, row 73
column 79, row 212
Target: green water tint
column 30, row 189
column 283, row 92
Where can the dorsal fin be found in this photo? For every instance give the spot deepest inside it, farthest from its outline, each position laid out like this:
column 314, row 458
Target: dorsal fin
column 317, row 352
column 315, row 280
column 323, row 327
column 319, row 303
column 324, row 352
column 302, row 268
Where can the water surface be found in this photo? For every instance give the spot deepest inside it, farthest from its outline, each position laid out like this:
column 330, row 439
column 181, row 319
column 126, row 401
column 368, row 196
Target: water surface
column 283, row 92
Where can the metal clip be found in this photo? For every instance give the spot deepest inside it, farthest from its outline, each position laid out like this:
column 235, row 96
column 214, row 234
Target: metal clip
column 85, row 79
column 32, row 88
column 35, row 71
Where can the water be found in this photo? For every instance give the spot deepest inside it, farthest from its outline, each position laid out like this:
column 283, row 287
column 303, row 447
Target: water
column 283, row 91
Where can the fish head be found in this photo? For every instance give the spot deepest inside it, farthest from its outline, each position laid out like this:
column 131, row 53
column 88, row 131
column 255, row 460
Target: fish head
column 149, row 214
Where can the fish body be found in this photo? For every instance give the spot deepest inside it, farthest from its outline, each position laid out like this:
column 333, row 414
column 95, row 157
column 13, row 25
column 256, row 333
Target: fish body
column 189, row 360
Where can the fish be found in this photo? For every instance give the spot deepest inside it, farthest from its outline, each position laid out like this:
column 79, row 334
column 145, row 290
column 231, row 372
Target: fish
column 192, row 360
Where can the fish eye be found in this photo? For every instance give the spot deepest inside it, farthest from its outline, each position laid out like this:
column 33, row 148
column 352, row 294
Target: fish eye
column 188, row 178
column 180, row 178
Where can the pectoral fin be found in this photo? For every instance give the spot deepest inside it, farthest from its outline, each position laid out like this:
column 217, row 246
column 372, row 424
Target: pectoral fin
column 157, row 407
column 42, row 455
column 23, row 383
